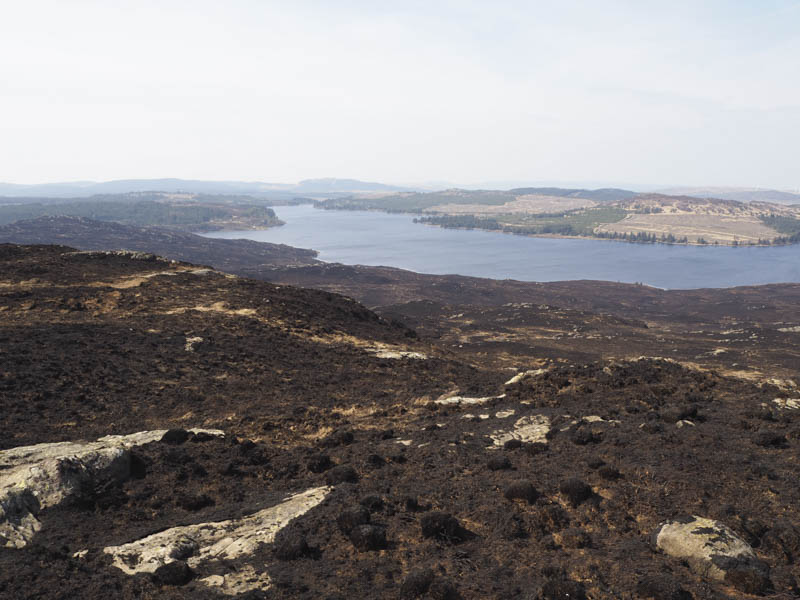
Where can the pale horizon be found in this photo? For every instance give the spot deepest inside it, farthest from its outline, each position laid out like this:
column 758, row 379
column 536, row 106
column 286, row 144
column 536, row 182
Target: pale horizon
column 461, row 92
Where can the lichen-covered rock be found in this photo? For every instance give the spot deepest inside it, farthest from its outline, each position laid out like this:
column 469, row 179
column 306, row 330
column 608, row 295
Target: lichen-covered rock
column 530, row 428
column 33, row 478
column 713, row 551
column 205, row 545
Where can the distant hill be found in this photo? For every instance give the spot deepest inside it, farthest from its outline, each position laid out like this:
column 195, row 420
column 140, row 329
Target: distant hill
column 257, row 188
column 552, row 198
column 601, row 195
column 738, row 194
column 242, row 257
column 189, row 212
column 602, row 213
column 333, row 185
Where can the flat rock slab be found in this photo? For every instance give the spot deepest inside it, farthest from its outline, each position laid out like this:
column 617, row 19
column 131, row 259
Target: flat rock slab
column 33, row 478
column 463, row 401
column 396, row 353
column 520, row 376
column 204, row 545
column 530, row 429
column 713, row 551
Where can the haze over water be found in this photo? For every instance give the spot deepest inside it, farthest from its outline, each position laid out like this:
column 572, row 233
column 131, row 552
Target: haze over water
column 375, row 238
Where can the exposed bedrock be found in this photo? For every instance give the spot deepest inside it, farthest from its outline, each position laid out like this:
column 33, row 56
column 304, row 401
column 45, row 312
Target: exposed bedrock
column 713, row 551
column 33, row 478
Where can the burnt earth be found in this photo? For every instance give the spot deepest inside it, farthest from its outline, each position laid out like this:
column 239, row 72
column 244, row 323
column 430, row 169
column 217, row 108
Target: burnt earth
column 288, row 374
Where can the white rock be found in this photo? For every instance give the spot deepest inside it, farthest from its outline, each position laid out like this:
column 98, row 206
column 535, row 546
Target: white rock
column 788, row 403
column 205, row 545
column 382, row 351
column 524, row 375
column 191, row 342
column 530, row 428
column 711, row 549
column 504, row 414
column 237, row 582
column 462, row 401
column 684, row 423
column 36, row 477
column 598, row 419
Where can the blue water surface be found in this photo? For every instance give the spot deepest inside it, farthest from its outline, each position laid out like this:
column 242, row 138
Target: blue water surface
column 376, row 238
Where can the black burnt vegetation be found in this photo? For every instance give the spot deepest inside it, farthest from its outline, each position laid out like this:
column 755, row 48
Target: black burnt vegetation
column 420, row 507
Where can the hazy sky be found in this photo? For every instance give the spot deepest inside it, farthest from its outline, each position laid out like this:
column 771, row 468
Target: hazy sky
column 402, row 91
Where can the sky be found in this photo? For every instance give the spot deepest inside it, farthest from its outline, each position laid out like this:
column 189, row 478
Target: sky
column 640, row 92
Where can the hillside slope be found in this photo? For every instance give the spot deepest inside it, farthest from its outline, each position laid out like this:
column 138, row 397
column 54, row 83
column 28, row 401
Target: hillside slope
column 376, row 464
column 236, row 256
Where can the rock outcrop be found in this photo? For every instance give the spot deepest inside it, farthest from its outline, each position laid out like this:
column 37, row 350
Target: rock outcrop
column 36, row 477
column 530, row 428
column 204, row 546
column 713, row 551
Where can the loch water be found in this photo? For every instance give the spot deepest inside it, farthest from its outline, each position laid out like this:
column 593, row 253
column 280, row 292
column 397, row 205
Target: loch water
column 394, row 240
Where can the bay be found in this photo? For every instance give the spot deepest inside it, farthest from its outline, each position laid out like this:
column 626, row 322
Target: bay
column 394, row 240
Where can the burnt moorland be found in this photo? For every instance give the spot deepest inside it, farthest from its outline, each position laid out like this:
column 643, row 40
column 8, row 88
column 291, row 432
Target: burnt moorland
column 475, row 439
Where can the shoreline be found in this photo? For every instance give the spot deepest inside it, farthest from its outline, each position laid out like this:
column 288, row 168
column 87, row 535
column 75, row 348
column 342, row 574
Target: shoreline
column 606, row 239
column 558, row 235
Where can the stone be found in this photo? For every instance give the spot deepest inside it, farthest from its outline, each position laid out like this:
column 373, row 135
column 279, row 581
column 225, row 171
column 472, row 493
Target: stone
column 714, row 551
column 530, row 428
column 206, row 547
column 386, row 352
column 788, row 403
column 245, row 583
column 520, row 376
column 462, row 401
column 41, row 476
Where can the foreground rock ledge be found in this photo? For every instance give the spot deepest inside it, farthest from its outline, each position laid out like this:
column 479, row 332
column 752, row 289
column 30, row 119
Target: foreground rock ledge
column 33, row 478
column 527, row 429
column 713, row 551
column 205, row 545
